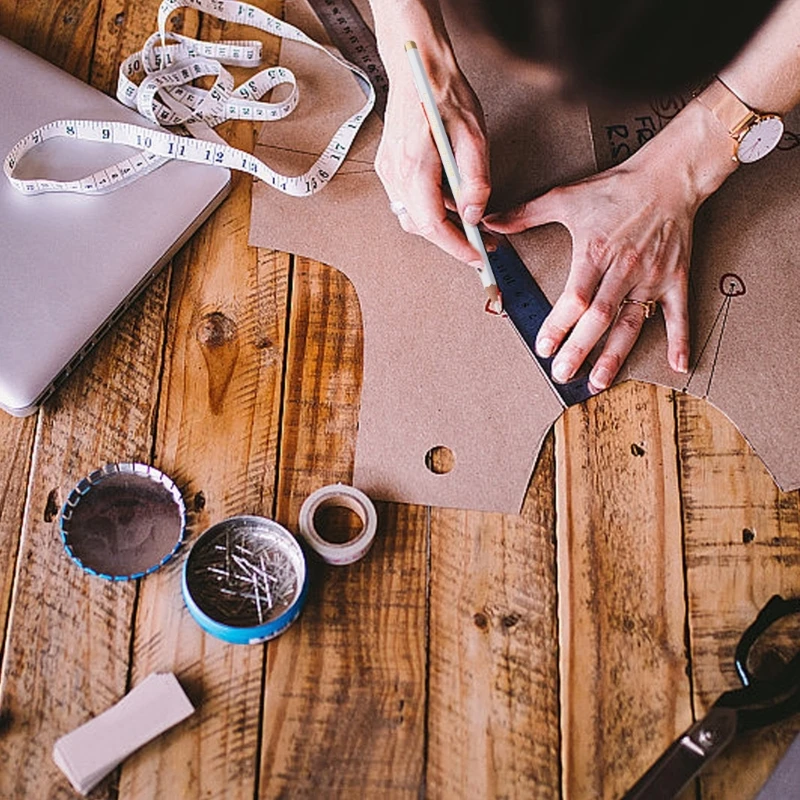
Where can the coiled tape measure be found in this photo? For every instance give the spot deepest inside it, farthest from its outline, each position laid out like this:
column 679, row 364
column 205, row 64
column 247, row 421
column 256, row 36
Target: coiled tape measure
column 157, row 82
column 166, row 97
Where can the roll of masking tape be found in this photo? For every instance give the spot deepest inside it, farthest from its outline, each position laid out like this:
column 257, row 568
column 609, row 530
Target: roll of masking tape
column 339, row 496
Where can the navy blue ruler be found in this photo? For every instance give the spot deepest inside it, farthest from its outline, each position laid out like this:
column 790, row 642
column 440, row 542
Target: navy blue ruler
column 527, row 307
column 523, row 300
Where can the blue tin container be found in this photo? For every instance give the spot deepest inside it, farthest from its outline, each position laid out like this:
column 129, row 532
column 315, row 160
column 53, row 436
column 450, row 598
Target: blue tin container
column 245, row 580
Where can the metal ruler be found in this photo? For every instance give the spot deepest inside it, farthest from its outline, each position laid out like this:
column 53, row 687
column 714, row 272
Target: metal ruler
column 523, row 300
column 356, row 42
column 526, row 306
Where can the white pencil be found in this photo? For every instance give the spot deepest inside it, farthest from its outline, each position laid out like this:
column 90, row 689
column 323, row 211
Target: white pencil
column 494, row 302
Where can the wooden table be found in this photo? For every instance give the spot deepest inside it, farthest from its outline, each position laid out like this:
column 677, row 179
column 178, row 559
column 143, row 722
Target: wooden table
column 470, row 655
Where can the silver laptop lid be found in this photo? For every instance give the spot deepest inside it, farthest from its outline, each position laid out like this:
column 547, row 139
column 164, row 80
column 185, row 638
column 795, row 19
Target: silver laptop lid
column 68, row 262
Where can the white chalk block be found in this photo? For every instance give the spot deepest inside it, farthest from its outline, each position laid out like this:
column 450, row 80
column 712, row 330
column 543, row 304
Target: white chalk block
column 94, row 749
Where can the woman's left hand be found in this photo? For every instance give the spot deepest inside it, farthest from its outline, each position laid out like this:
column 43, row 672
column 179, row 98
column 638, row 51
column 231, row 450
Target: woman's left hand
column 631, row 230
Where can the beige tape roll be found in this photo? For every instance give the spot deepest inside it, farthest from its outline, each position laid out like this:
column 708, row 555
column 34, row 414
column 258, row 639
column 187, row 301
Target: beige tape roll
column 339, row 496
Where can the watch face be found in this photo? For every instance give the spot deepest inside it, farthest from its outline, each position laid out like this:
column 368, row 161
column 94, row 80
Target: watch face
column 760, row 139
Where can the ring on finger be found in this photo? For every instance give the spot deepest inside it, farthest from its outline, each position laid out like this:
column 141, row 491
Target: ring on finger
column 648, row 306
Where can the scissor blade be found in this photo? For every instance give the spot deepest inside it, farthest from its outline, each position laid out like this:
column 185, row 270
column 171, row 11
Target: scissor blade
column 686, row 756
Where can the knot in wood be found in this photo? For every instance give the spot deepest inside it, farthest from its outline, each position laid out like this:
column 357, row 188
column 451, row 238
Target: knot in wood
column 218, row 337
column 216, row 330
column 480, row 620
column 52, row 505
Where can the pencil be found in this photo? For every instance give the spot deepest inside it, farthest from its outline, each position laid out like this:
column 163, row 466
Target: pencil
column 494, row 303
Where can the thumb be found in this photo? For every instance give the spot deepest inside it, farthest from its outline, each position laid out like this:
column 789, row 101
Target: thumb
column 550, row 207
column 472, row 156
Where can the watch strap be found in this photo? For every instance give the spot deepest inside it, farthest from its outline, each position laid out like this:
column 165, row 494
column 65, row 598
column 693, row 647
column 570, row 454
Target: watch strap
column 726, row 107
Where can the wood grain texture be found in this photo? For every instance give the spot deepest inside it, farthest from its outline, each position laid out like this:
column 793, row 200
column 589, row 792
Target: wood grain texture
column 224, row 462
column 16, row 442
column 435, row 667
column 217, row 435
column 69, row 634
column 345, row 692
column 624, row 690
column 61, row 32
column 493, row 696
column 122, row 28
column 742, row 546
column 68, row 638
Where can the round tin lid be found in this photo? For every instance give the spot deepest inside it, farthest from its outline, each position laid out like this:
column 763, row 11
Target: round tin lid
column 123, row 521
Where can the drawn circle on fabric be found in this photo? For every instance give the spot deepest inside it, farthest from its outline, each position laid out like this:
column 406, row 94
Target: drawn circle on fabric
column 731, row 285
column 245, row 580
column 123, row 521
column 329, row 499
column 440, row 460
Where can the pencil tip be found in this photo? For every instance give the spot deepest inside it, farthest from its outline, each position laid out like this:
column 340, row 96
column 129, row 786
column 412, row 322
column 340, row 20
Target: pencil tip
column 494, row 300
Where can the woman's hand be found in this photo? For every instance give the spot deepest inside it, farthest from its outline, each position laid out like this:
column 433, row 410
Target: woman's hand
column 410, row 168
column 407, row 162
column 631, row 230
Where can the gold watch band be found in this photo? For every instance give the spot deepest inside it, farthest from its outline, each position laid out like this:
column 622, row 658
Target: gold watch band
column 726, row 107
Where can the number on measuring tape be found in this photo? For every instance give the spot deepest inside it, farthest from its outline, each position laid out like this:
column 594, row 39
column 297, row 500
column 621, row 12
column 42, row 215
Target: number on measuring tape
column 157, row 82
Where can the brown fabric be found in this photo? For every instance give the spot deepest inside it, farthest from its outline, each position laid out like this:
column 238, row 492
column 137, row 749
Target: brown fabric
column 437, row 370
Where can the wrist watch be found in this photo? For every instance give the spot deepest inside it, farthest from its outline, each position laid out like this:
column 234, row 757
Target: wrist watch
column 754, row 134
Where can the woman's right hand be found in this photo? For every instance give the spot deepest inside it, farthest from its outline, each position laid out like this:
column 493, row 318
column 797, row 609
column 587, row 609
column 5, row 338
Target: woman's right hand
column 407, row 162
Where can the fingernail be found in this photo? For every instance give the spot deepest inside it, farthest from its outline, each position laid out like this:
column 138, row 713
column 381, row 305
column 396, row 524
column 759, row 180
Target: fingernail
column 601, row 377
column 562, row 371
column 545, row 348
column 472, row 214
column 490, row 246
column 683, row 364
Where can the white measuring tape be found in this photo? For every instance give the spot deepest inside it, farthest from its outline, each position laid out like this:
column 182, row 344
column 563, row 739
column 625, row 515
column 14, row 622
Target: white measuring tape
column 339, row 496
column 164, row 94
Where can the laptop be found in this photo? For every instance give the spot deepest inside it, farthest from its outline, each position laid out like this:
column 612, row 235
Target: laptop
column 70, row 264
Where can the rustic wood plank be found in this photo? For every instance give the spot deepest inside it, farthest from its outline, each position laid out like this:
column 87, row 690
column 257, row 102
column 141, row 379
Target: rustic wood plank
column 217, row 435
column 68, row 643
column 62, row 33
column 66, row 655
column 624, row 690
column 493, row 708
column 16, row 443
column 123, row 28
column 345, row 692
column 742, row 546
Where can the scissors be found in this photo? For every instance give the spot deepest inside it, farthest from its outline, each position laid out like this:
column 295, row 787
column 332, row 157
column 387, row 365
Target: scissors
column 760, row 702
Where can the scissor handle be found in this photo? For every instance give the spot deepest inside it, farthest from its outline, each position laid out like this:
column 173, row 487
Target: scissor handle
column 764, row 701
column 775, row 609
